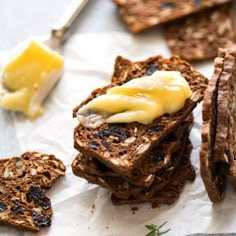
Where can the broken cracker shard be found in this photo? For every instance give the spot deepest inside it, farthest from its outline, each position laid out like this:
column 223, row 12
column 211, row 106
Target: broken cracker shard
column 23, row 181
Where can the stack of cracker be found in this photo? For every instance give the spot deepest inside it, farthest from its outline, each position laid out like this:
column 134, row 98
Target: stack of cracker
column 137, row 162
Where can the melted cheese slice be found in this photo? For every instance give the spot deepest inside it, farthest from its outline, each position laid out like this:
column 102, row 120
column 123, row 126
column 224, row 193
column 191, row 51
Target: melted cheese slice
column 29, row 77
column 141, row 100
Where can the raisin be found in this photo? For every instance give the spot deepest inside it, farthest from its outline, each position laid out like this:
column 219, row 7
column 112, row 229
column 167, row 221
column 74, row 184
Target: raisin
column 157, row 128
column 45, row 203
column 151, row 69
column 113, row 130
column 159, row 158
column 17, row 209
column 35, row 193
column 98, row 135
column 121, row 135
column 164, row 5
column 41, row 220
column 197, row 3
column 3, row 206
column 94, row 145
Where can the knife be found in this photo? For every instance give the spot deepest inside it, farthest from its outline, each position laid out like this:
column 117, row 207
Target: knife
column 57, row 37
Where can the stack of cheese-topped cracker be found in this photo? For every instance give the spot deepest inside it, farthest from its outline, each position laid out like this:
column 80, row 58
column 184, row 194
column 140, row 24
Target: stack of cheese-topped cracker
column 140, row 162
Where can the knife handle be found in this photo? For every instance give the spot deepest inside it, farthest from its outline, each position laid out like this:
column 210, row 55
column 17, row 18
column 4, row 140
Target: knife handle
column 62, row 25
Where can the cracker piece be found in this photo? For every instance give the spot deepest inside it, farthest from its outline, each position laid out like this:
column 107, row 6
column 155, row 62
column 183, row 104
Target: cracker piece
column 140, row 15
column 214, row 184
column 198, row 37
column 23, row 181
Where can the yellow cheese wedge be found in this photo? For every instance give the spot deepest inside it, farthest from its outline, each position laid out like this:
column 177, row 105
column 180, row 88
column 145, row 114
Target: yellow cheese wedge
column 29, row 77
column 141, row 100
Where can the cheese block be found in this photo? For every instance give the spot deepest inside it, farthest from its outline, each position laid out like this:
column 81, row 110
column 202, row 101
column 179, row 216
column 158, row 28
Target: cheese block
column 29, row 77
column 141, row 100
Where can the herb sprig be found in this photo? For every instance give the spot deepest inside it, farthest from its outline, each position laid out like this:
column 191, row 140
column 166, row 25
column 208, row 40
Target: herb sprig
column 155, row 230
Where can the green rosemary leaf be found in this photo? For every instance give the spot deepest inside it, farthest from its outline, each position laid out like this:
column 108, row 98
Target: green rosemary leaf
column 155, row 230
column 162, row 225
column 152, row 233
column 164, row 232
column 151, row 227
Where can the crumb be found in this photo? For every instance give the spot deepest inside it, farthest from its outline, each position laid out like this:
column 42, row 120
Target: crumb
column 155, row 205
column 134, row 209
column 88, row 227
column 93, row 207
column 107, row 227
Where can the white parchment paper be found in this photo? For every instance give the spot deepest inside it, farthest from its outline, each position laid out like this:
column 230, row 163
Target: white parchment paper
column 89, row 63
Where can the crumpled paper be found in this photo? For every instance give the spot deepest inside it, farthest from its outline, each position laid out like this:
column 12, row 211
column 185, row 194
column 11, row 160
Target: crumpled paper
column 84, row 209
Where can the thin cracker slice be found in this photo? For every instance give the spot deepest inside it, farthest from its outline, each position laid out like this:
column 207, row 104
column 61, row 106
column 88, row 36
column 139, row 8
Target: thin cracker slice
column 224, row 149
column 123, row 188
column 214, row 183
column 144, row 175
column 170, row 193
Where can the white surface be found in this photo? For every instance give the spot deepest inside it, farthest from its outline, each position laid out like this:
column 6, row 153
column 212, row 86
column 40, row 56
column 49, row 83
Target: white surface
column 89, row 64
column 19, row 19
